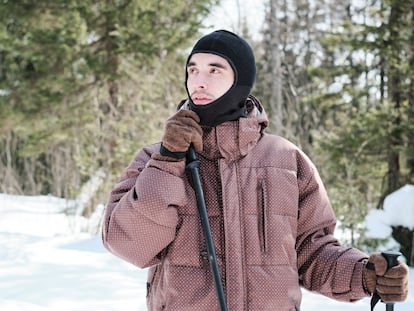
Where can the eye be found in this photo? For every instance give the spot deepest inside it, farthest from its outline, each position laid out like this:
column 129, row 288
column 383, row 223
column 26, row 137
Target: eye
column 191, row 70
column 214, row 71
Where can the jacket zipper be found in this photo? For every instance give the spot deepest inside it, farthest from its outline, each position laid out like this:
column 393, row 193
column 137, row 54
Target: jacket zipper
column 262, row 217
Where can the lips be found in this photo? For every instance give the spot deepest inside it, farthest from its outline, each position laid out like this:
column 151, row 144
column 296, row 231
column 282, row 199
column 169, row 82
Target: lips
column 199, row 98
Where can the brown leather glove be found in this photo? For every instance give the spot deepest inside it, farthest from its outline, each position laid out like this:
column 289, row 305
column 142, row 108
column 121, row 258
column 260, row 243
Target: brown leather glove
column 392, row 284
column 181, row 130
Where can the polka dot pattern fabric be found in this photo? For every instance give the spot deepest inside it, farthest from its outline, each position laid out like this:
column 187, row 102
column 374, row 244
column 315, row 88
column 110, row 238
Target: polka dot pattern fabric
column 269, row 214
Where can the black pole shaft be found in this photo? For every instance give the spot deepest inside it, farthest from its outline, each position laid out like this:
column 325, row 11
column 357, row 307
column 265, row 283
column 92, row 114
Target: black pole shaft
column 392, row 260
column 389, row 306
column 193, row 166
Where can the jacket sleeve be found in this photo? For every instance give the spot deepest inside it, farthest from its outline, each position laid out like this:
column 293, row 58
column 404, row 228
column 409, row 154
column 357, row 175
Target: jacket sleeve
column 324, row 265
column 141, row 217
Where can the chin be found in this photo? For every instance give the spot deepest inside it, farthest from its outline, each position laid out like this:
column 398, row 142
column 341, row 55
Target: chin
column 202, row 102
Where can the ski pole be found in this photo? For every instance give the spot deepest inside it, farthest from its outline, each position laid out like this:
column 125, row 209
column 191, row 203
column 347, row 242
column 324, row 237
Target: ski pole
column 193, row 166
column 392, row 261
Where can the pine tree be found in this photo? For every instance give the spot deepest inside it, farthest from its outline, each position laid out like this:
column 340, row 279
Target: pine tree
column 370, row 136
column 85, row 84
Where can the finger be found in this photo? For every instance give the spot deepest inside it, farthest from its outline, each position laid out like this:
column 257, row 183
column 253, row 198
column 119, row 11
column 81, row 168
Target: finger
column 188, row 114
column 383, row 281
column 393, row 298
column 197, row 142
column 191, row 118
column 397, row 272
column 379, row 262
column 188, row 123
column 183, row 126
column 390, row 290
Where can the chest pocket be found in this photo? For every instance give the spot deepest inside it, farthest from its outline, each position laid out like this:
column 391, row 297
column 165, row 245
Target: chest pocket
column 270, row 211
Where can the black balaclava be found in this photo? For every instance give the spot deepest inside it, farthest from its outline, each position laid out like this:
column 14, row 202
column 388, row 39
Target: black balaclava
column 232, row 105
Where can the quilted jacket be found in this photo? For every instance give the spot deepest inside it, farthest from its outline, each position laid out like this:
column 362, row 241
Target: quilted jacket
column 271, row 221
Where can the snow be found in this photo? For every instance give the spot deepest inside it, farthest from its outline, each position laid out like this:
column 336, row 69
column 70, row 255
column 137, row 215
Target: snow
column 399, row 207
column 53, row 259
column 398, row 211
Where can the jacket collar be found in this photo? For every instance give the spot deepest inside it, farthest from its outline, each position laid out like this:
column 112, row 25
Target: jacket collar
column 233, row 140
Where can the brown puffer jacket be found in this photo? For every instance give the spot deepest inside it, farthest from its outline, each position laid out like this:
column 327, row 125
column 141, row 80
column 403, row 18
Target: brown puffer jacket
column 270, row 216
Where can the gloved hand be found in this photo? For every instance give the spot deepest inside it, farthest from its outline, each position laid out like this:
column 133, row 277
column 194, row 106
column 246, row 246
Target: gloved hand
column 391, row 285
column 181, row 130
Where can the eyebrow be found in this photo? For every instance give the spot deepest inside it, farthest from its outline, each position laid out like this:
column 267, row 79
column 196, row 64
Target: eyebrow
column 218, row 65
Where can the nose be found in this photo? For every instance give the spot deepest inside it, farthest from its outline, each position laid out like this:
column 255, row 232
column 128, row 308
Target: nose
column 200, row 82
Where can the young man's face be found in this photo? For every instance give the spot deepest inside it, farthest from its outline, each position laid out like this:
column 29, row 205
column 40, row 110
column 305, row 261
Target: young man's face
column 209, row 77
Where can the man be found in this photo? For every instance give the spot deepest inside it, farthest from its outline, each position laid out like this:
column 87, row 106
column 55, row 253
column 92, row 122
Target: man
column 271, row 220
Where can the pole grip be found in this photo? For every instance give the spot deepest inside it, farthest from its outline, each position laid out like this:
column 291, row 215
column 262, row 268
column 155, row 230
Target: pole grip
column 392, row 261
column 392, row 258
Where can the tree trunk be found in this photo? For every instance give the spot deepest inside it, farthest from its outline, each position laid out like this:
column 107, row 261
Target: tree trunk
column 395, row 90
column 410, row 113
column 275, row 99
column 405, row 237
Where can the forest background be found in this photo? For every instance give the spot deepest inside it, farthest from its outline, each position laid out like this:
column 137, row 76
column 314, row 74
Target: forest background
column 85, row 84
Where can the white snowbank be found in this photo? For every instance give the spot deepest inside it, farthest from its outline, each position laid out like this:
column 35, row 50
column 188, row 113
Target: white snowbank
column 48, row 263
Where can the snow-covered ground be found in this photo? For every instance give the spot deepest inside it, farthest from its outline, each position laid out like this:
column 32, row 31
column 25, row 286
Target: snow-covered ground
column 49, row 262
